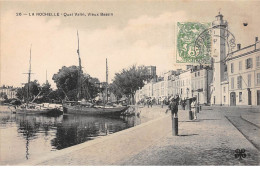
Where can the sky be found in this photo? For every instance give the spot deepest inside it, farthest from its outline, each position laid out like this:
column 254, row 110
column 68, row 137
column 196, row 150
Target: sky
column 139, row 32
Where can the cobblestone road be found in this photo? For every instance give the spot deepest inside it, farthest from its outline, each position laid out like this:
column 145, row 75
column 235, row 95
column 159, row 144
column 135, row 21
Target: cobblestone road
column 211, row 140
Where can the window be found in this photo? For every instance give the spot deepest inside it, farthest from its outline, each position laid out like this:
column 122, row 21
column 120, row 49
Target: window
column 224, row 90
column 258, row 78
column 240, row 96
column 239, row 82
column 232, row 67
column 224, row 98
column 198, row 73
column 232, row 83
column 249, row 63
column 195, row 74
column 240, row 65
column 249, row 80
column 257, row 61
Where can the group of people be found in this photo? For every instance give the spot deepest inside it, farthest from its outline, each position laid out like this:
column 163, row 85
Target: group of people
column 175, row 101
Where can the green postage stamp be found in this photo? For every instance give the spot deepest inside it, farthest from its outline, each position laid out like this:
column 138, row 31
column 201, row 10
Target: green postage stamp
column 193, row 43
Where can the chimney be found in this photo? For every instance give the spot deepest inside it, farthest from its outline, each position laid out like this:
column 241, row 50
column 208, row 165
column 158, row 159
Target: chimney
column 256, row 39
column 238, row 46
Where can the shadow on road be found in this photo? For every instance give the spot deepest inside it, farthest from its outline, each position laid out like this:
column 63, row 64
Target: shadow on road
column 184, row 135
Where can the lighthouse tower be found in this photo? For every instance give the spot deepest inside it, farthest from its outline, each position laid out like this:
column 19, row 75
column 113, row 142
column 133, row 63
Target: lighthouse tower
column 218, row 53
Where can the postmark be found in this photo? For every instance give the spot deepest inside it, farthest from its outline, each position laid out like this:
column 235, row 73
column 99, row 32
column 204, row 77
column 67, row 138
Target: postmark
column 226, row 40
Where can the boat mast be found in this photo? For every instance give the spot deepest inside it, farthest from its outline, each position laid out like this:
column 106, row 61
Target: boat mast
column 29, row 77
column 46, row 78
column 106, row 82
column 79, row 89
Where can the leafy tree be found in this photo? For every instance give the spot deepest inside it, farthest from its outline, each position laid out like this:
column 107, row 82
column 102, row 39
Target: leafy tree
column 34, row 88
column 129, row 80
column 21, row 94
column 45, row 92
column 67, row 80
column 116, row 90
column 3, row 95
column 56, row 95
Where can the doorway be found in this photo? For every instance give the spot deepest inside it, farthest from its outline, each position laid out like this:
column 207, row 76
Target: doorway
column 232, row 99
column 249, row 97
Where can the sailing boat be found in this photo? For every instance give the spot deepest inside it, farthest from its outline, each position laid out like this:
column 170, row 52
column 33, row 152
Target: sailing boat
column 78, row 107
column 33, row 108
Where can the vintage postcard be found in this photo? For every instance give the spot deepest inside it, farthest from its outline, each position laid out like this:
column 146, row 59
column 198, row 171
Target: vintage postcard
column 130, row 83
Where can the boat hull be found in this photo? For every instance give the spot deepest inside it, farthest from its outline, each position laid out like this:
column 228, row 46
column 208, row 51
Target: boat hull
column 38, row 111
column 93, row 110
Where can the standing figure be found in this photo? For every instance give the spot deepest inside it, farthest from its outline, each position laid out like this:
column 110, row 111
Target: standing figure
column 173, row 106
column 193, row 107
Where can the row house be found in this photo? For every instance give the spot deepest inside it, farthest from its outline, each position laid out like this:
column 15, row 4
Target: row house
column 192, row 82
column 201, row 77
column 244, row 75
column 9, row 91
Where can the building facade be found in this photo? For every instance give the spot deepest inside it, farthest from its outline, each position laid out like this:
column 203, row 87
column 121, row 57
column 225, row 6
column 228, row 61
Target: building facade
column 244, row 75
column 9, row 91
column 201, row 77
column 188, row 83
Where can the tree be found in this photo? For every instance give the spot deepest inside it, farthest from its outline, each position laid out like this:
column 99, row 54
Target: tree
column 67, row 80
column 3, row 95
column 20, row 94
column 56, row 95
column 115, row 90
column 34, row 89
column 45, row 92
column 129, row 80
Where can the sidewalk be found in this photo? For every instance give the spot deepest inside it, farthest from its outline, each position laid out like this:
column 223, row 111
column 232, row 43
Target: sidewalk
column 211, row 140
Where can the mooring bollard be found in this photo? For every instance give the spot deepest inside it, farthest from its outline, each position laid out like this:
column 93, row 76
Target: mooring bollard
column 174, row 126
column 190, row 115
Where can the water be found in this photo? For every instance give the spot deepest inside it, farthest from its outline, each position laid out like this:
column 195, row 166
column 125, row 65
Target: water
column 24, row 137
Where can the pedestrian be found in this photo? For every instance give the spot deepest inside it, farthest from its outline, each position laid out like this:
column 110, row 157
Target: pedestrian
column 148, row 102
column 173, row 106
column 193, row 107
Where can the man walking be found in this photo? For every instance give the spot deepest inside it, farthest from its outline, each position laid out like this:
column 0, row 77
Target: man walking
column 173, row 106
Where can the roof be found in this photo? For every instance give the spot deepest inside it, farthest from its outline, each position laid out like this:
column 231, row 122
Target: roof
column 244, row 51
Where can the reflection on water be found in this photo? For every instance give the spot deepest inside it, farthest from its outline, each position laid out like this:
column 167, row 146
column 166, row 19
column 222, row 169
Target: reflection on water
column 27, row 136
